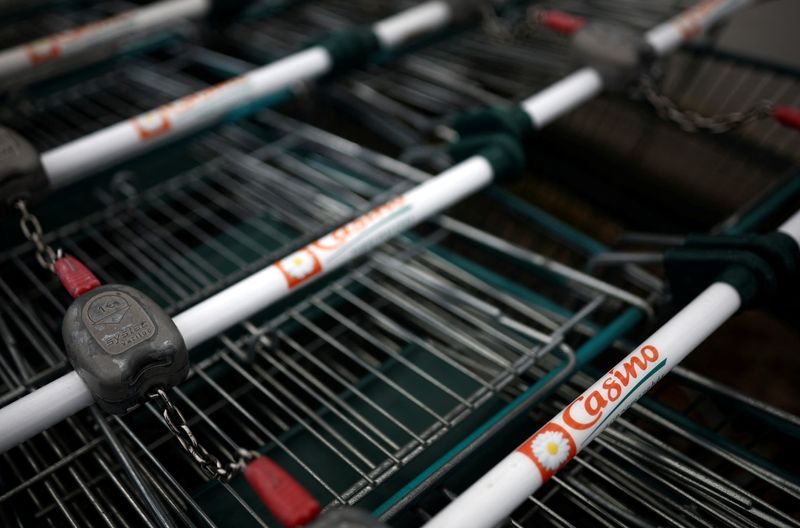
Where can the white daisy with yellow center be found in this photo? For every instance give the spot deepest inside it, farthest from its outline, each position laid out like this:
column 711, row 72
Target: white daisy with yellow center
column 42, row 46
column 298, row 265
column 551, row 449
column 151, row 120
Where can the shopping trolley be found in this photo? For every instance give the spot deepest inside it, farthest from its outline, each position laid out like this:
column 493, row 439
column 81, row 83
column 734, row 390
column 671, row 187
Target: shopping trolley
column 347, row 387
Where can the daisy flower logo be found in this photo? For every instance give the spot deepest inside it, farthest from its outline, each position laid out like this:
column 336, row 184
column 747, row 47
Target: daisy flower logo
column 43, row 50
column 151, row 124
column 549, row 449
column 299, row 267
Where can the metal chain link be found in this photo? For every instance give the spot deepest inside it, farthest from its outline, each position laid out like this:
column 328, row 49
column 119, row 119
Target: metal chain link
column 32, row 230
column 210, row 464
column 692, row 121
column 645, row 86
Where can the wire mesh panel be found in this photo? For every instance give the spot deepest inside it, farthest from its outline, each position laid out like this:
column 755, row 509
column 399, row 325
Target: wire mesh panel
column 90, row 102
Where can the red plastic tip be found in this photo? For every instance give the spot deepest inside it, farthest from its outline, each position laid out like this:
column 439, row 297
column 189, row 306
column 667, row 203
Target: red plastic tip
column 288, row 501
column 75, row 277
column 561, row 21
column 787, row 116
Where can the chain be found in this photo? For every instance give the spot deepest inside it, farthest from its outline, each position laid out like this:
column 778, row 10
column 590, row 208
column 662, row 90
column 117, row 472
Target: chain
column 32, row 230
column 692, row 121
column 210, row 464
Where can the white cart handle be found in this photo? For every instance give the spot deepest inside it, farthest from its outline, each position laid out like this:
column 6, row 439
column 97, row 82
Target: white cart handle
column 60, row 47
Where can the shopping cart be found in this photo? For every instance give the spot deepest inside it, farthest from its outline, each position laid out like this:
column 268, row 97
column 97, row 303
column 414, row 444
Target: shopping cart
column 372, row 373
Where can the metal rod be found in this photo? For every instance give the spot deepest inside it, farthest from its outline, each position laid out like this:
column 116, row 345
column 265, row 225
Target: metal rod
column 152, row 503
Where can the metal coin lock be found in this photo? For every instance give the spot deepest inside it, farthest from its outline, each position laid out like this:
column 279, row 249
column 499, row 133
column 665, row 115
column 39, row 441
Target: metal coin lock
column 617, row 52
column 123, row 345
column 21, row 174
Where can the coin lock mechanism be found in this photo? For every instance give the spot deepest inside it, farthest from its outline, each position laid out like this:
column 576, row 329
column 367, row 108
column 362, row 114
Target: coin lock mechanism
column 123, row 346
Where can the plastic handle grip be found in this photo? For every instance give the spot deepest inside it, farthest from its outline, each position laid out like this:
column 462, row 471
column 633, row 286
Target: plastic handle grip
column 288, row 501
column 561, row 22
column 788, row 116
column 75, row 277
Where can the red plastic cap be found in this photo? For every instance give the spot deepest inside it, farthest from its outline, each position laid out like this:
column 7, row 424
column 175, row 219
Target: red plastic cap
column 787, row 116
column 75, row 277
column 561, row 22
column 288, row 501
